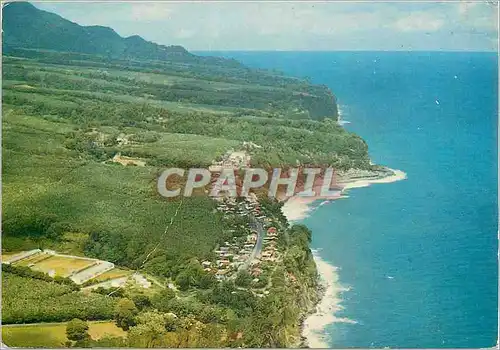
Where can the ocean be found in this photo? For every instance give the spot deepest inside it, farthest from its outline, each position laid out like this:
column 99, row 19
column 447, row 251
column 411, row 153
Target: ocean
column 418, row 257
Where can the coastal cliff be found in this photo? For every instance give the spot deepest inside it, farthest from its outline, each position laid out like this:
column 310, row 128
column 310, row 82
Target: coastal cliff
column 294, row 294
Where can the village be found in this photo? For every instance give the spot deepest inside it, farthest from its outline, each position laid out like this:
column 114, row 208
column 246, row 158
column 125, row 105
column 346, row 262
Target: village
column 254, row 249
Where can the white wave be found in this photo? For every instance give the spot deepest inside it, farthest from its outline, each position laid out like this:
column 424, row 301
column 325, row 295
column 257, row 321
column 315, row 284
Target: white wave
column 330, row 304
column 341, row 110
column 341, row 113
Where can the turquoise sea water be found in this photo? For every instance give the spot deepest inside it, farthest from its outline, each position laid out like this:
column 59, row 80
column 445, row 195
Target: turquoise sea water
column 420, row 255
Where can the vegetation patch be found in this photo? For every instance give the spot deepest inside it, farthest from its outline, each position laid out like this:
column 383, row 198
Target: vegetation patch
column 53, row 335
column 29, row 300
column 109, row 275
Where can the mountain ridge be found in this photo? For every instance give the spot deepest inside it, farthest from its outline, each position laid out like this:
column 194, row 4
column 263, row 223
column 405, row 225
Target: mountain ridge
column 31, row 33
column 21, row 29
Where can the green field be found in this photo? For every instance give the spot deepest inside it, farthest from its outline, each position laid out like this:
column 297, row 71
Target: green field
column 62, row 266
column 111, row 274
column 33, row 259
column 53, row 335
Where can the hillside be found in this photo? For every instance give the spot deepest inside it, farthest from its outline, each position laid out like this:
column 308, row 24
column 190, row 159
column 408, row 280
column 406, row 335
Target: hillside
column 66, row 115
column 30, row 32
column 86, row 130
column 27, row 27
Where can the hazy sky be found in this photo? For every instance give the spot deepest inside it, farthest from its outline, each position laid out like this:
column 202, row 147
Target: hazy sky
column 227, row 25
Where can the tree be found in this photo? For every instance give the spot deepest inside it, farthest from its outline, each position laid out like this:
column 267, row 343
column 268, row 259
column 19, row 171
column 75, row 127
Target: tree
column 141, row 301
column 183, row 280
column 243, row 279
column 109, row 342
column 149, row 331
column 125, row 312
column 77, row 330
column 207, row 281
column 161, row 301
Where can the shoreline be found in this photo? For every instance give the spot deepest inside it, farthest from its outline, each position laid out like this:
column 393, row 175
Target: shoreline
column 365, row 181
column 330, row 303
column 298, row 208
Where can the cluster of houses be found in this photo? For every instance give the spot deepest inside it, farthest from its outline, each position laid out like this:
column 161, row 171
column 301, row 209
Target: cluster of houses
column 242, row 252
column 231, row 160
column 99, row 138
column 270, row 252
column 244, row 207
column 232, row 256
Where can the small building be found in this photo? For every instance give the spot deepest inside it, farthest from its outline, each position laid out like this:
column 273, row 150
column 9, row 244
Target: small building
column 272, row 234
column 256, row 271
column 267, row 254
column 221, row 274
column 272, row 230
column 252, row 238
column 223, row 262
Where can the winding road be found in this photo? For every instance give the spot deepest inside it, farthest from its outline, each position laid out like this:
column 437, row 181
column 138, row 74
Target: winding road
column 257, row 249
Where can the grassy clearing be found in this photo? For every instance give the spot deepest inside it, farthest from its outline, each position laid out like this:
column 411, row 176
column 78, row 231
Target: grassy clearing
column 53, row 335
column 71, row 243
column 62, row 266
column 112, row 274
column 97, row 330
column 43, row 336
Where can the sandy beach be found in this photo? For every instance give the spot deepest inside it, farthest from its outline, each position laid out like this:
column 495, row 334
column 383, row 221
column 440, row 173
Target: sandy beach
column 397, row 175
column 297, row 208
